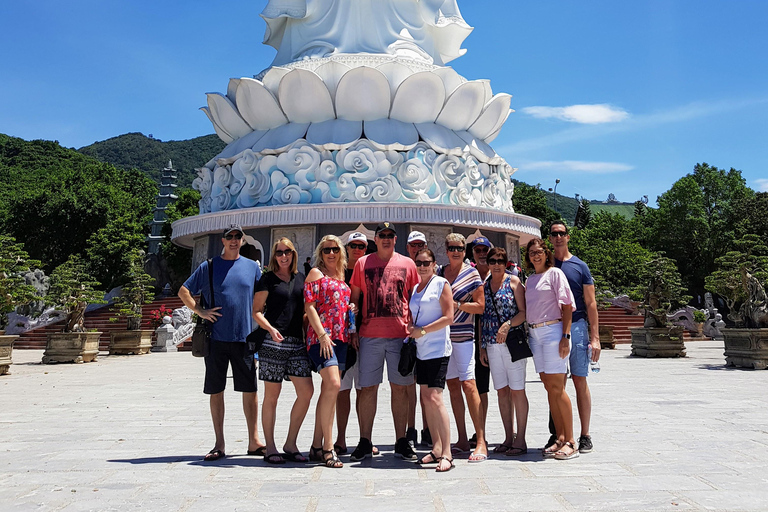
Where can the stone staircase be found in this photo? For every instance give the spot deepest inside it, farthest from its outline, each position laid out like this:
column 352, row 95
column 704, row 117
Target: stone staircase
column 98, row 319
column 622, row 321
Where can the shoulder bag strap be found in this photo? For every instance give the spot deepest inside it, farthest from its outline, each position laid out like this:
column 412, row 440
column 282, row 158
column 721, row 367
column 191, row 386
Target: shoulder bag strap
column 493, row 298
column 210, row 282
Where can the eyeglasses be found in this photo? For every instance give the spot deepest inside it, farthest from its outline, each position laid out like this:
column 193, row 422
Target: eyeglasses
column 492, row 261
column 455, row 248
column 481, row 248
column 417, row 244
column 329, row 250
column 386, row 236
column 536, row 253
column 420, row 263
column 360, row 247
column 286, row 252
column 555, row 234
column 231, row 236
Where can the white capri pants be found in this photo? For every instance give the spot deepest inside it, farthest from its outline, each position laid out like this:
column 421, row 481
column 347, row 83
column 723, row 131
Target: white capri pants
column 461, row 365
column 545, row 345
column 504, row 372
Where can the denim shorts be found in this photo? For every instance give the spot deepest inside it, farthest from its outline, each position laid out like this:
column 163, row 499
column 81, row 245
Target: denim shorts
column 579, row 358
column 338, row 358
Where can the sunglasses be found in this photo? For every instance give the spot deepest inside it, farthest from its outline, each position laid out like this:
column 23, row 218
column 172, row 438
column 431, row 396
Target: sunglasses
column 556, row 234
column 455, row 248
column 386, row 236
column 536, row 253
column 417, row 244
column 492, row 261
column 230, row 236
column 423, row 263
column 286, row 252
column 329, row 250
column 481, row 248
column 360, row 247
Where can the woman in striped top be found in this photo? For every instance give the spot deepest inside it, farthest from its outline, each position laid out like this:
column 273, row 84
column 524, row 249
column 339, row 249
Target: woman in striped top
column 469, row 300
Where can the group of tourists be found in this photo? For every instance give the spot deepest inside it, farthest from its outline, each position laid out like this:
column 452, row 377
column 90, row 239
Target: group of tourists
column 352, row 312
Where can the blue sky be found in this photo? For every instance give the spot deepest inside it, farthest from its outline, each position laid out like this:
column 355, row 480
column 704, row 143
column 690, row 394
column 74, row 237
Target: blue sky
column 609, row 96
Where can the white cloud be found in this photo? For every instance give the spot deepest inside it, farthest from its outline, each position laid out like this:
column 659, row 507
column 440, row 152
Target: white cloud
column 577, row 166
column 582, row 114
column 762, row 185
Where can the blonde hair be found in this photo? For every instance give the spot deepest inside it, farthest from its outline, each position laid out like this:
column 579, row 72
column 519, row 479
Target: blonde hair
column 341, row 263
column 455, row 237
column 274, row 266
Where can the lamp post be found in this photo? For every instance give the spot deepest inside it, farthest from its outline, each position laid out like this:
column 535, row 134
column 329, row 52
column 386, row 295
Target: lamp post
column 554, row 194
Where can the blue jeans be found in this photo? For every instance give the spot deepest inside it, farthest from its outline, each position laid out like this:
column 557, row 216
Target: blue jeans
column 579, row 358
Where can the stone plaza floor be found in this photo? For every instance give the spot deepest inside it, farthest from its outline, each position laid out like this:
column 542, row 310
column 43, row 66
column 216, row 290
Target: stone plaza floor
column 128, row 433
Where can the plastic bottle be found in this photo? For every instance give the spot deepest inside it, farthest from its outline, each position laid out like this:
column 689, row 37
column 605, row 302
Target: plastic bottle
column 352, row 327
column 594, row 366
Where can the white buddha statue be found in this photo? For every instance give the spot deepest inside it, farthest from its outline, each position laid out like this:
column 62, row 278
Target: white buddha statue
column 428, row 30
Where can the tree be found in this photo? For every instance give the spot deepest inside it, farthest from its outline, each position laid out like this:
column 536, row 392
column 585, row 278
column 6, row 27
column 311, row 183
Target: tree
column 751, row 214
column 695, row 220
column 583, row 215
column 660, row 290
column 137, row 290
column 72, row 289
column 532, row 201
column 14, row 291
column 109, row 249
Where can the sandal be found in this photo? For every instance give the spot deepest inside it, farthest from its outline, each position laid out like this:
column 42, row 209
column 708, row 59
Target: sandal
column 561, row 455
column 340, row 450
column 315, row 454
column 514, row 451
column 444, row 470
column 331, row 459
column 434, row 460
column 260, row 451
column 214, row 454
column 551, row 450
column 294, row 457
column 274, row 458
column 502, row 448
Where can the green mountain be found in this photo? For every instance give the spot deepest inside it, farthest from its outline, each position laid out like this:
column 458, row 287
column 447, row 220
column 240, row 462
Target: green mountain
column 149, row 155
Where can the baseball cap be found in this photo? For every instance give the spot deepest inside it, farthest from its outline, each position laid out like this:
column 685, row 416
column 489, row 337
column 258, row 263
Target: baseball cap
column 385, row 226
column 357, row 237
column 417, row 236
column 231, row 228
column 481, row 240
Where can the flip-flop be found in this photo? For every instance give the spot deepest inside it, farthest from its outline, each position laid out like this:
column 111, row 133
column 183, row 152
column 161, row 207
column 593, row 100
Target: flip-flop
column 478, row 457
column 274, row 458
column 213, row 455
column 516, row 452
column 260, row 451
column 502, row 448
column 294, row 457
column 455, row 450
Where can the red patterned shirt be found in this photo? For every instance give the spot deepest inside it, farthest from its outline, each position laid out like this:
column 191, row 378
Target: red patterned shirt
column 331, row 298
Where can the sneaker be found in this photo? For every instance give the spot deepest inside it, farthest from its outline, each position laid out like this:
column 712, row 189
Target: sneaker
column 412, row 436
column 426, row 438
column 363, row 450
column 585, row 444
column 403, row 449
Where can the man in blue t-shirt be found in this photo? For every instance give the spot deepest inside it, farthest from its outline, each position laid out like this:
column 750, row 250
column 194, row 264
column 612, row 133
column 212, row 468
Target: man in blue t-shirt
column 585, row 333
column 234, row 282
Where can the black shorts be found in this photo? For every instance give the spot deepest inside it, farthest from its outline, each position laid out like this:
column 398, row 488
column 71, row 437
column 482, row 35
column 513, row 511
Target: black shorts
column 223, row 353
column 482, row 374
column 432, row 372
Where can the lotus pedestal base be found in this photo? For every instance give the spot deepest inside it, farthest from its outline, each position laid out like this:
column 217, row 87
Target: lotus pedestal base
column 746, row 348
column 658, row 342
column 72, row 347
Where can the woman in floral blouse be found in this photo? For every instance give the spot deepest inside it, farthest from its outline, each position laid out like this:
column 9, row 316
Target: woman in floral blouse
column 326, row 302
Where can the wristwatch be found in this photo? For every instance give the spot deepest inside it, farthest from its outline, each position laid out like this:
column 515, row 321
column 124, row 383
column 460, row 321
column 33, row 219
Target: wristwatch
column 567, row 335
column 423, row 332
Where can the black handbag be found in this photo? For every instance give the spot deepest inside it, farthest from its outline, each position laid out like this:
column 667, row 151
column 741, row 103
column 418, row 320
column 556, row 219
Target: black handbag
column 408, row 355
column 517, row 336
column 201, row 336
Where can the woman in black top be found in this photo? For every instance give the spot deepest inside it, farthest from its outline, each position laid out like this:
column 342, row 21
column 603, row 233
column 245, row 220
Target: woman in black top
column 278, row 308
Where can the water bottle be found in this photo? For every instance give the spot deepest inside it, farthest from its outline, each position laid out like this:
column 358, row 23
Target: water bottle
column 352, row 327
column 594, row 366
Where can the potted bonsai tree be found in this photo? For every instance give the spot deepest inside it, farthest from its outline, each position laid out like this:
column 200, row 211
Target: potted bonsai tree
column 699, row 318
column 741, row 280
column 660, row 290
column 14, row 291
column 72, row 289
column 137, row 291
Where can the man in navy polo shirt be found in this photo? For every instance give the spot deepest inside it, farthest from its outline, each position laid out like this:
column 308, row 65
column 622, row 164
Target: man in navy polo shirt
column 234, row 282
column 584, row 329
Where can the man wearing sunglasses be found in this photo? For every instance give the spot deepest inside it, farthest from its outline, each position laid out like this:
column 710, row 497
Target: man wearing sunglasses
column 234, row 283
column 385, row 280
column 585, row 333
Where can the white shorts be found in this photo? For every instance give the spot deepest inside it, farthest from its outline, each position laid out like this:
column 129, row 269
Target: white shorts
column 545, row 345
column 504, row 372
column 461, row 365
column 351, row 378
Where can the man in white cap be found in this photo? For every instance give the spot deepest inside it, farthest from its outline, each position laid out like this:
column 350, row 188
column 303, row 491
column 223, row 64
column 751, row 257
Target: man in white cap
column 416, row 242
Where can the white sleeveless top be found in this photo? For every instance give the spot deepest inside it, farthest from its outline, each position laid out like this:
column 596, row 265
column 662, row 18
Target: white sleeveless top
column 425, row 308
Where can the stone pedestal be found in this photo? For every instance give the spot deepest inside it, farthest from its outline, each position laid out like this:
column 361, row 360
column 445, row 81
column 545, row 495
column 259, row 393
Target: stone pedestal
column 130, row 342
column 6, row 353
column 746, row 348
column 606, row 336
column 71, row 347
column 165, row 341
column 657, row 342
